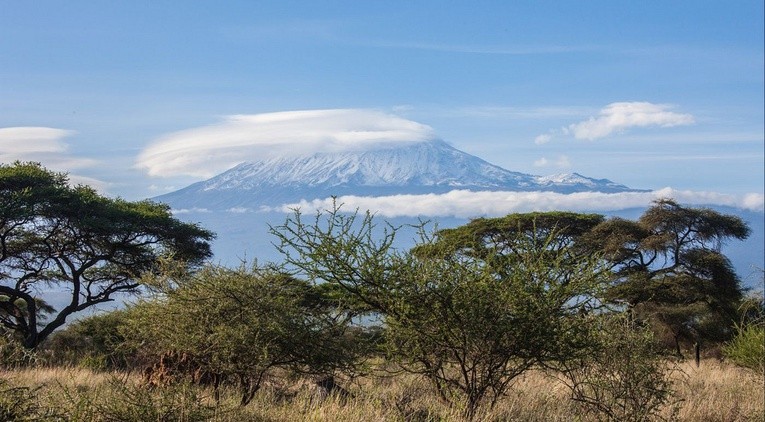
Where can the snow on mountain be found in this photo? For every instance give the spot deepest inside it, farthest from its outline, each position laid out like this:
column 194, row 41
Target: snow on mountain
column 432, row 163
column 577, row 180
column 413, row 168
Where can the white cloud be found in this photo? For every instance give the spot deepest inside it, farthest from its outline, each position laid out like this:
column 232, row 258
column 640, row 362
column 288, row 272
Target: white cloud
column 45, row 145
column 467, row 204
column 26, row 141
column 208, row 150
column 543, row 138
column 98, row 185
column 190, row 210
column 620, row 116
column 753, row 201
column 542, row 162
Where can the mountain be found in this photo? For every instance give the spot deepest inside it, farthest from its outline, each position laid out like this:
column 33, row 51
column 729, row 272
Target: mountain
column 414, row 168
column 220, row 202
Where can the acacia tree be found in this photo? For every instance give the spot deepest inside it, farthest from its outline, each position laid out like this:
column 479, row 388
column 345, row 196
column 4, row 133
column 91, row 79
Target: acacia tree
column 669, row 269
column 75, row 240
column 504, row 242
column 470, row 317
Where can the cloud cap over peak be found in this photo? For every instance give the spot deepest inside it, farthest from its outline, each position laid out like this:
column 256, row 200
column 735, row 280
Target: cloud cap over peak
column 208, row 150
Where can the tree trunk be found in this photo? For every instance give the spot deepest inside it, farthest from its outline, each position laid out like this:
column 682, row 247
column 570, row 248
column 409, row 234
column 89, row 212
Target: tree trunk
column 697, row 346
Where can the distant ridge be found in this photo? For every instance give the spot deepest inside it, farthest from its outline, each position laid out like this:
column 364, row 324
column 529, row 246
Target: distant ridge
column 411, row 168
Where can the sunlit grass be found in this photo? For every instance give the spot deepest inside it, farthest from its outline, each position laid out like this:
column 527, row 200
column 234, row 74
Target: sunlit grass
column 714, row 392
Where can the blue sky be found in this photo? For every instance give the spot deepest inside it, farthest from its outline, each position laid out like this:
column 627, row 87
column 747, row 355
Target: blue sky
column 648, row 94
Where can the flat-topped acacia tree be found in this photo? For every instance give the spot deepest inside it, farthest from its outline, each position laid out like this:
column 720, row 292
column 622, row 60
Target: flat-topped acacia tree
column 669, row 269
column 77, row 241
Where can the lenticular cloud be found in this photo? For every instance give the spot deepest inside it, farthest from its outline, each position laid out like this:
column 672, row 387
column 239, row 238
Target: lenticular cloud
column 28, row 142
column 45, row 145
column 208, row 150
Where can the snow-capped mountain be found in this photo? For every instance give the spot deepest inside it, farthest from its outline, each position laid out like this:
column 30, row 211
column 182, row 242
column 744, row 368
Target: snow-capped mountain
column 414, row 168
column 242, row 203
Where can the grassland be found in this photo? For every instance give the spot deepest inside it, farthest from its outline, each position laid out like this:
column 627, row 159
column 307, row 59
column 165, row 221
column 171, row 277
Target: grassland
column 713, row 392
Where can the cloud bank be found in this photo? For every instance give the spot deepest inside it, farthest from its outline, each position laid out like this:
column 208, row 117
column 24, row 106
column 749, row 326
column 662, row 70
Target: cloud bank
column 206, row 151
column 468, row 204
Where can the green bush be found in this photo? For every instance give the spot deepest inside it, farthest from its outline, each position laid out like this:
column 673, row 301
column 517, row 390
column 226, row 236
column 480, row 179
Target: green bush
column 93, row 343
column 622, row 375
column 20, row 404
column 13, row 354
column 239, row 326
column 747, row 348
column 176, row 403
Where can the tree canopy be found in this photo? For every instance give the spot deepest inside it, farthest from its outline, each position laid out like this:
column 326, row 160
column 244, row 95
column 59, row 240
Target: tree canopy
column 53, row 235
column 669, row 268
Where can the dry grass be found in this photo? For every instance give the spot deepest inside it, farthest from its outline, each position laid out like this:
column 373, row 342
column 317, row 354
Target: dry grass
column 70, row 377
column 713, row 392
column 720, row 392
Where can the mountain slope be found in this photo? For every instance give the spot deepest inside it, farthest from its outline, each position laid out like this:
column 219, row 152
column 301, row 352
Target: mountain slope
column 415, row 168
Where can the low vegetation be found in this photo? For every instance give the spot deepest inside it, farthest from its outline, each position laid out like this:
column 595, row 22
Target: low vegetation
column 747, row 347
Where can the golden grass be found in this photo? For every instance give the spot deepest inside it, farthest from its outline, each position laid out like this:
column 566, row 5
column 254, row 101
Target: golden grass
column 71, row 377
column 714, row 392
column 720, row 392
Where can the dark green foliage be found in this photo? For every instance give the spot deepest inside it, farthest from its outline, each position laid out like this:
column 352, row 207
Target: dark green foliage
column 669, row 269
column 80, row 241
column 498, row 238
column 472, row 333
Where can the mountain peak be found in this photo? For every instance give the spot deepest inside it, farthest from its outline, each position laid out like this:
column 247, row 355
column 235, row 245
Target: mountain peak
column 426, row 163
column 409, row 168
